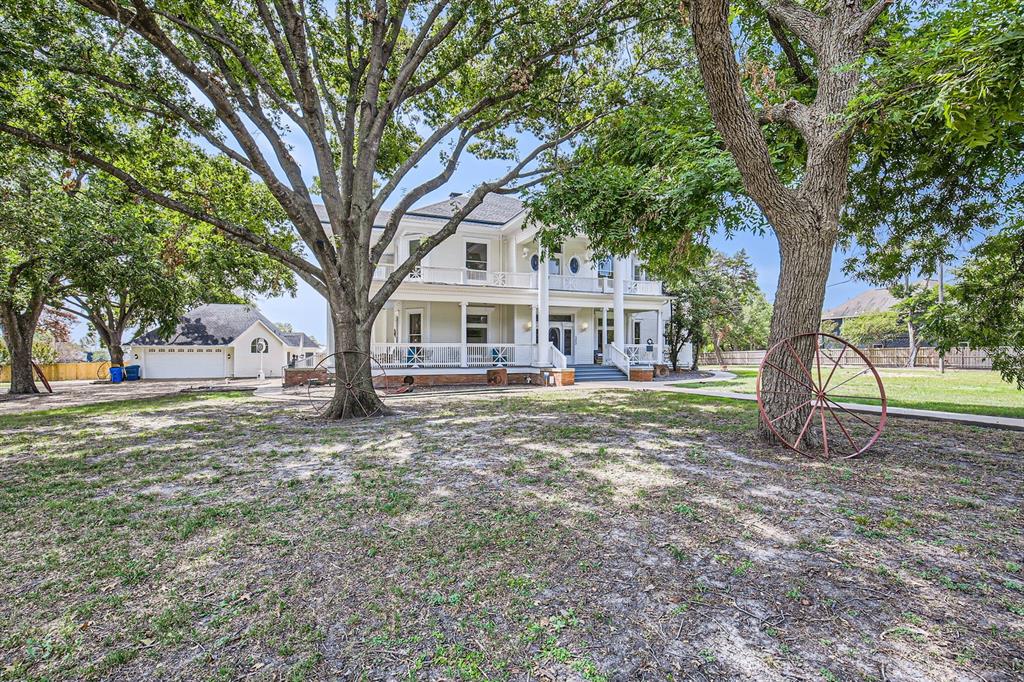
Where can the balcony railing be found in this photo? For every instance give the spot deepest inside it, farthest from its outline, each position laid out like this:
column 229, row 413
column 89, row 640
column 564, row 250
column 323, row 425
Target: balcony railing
column 451, row 355
column 584, row 284
column 431, row 274
column 438, row 275
column 643, row 287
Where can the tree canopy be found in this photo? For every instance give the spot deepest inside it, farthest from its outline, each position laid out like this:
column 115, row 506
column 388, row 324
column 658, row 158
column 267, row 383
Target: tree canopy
column 367, row 90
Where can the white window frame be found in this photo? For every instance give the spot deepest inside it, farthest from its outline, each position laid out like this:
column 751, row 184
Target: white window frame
column 486, row 243
column 424, row 329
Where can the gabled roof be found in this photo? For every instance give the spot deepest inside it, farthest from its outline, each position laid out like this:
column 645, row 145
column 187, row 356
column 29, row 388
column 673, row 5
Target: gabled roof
column 870, row 301
column 300, row 339
column 495, row 210
column 213, row 324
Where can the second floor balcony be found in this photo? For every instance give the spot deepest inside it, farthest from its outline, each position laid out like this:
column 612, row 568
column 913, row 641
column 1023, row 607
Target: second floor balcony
column 430, row 274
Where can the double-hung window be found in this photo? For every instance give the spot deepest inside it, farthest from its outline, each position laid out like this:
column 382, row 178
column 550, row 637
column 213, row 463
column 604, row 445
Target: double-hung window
column 476, row 328
column 476, row 260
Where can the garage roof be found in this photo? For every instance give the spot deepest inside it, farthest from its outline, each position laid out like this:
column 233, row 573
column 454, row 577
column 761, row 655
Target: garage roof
column 213, row 324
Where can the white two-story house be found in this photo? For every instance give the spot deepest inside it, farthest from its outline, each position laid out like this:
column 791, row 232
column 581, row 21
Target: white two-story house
column 485, row 298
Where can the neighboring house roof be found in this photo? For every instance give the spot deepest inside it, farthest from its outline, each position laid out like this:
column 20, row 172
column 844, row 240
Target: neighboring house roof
column 870, row 301
column 300, row 339
column 213, row 324
column 496, row 209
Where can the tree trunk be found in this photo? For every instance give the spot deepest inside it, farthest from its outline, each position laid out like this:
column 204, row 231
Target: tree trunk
column 806, row 256
column 19, row 329
column 716, row 343
column 116, row 354
column 696, row 342
column 355, row 396
column 913, row 342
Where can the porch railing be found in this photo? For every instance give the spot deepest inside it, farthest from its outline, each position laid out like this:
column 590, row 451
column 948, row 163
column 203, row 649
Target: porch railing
column 499, row 354
column 452, row 355
column 558, row 359
column 641, row 353
column 618, row 358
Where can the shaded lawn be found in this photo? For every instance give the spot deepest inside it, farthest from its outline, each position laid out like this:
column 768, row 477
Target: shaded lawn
column 554, row 535
column 965, row 391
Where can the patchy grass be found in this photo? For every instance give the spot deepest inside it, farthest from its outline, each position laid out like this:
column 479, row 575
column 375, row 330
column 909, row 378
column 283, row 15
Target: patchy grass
column 963, row 391
column 552, row 535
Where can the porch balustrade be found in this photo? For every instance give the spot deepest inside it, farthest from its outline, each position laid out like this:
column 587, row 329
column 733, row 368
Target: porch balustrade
column 452, row 355
column 641, row 354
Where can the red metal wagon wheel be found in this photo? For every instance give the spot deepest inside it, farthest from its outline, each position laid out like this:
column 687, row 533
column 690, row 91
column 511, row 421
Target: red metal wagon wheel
column 343, row 368
column 827, row 400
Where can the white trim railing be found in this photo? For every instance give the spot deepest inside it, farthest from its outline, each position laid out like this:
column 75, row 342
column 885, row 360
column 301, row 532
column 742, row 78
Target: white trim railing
column 643, row 287
column 499, row 354
column 618, row 358
column 431, row 274
column 590, row 285
column 452, row 355
column 558, row 360
column 641, row 353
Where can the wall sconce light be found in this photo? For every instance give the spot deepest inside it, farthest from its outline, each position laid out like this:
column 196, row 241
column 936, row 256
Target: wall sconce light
column 528, row 326
column 526, row 252
column 584, row 326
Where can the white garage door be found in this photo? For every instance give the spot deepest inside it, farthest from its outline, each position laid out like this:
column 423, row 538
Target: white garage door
column 181, row 363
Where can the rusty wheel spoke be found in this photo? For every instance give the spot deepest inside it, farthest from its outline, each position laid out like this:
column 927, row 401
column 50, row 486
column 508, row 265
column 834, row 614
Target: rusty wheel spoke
column 776, row 404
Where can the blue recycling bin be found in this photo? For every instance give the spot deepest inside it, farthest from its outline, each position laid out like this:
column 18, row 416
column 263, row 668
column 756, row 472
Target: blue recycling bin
column 131, row 373
column 116, row 374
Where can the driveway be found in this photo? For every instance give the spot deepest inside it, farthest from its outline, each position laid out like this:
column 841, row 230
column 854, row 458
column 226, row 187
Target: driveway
column 72, row 393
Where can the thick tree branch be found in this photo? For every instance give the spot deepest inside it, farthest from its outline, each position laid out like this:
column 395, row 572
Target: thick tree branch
column 475, row 199
column 730, row 109
column 313, row 275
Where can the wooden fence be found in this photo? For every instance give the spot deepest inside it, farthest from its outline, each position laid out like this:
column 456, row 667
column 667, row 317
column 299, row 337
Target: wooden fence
column 64, row 371
column 957, row 358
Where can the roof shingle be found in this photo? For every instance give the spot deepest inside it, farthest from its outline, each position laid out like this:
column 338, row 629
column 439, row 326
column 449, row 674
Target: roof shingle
column 212, row 324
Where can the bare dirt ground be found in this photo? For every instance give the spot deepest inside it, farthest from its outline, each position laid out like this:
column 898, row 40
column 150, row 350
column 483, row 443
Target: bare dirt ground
column 76, row 393
column 548, row 536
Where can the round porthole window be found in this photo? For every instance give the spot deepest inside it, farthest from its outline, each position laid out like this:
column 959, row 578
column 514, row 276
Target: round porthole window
column 574, row 265
column 535, row 262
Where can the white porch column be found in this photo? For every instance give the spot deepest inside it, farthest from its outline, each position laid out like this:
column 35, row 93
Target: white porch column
column 618, row 292
column 659, row 349
column 465, row 351
column 543, row 321
column 398, row 321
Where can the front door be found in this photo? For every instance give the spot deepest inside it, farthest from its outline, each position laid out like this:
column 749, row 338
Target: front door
column 561, row 335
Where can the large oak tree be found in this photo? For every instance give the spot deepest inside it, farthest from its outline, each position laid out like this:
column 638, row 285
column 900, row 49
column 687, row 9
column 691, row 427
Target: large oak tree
column 369, row 90
column 716, row 137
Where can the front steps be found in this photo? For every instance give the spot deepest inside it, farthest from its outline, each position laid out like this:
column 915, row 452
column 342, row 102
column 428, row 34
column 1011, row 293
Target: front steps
column 598, row 373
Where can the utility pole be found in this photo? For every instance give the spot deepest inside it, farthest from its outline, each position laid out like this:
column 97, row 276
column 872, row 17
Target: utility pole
column 942, row 297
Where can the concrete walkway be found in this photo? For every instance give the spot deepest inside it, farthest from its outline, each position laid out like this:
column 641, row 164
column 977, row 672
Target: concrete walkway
column 1011, row 423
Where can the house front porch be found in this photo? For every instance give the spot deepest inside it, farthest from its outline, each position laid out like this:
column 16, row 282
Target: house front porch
column 457, row 342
